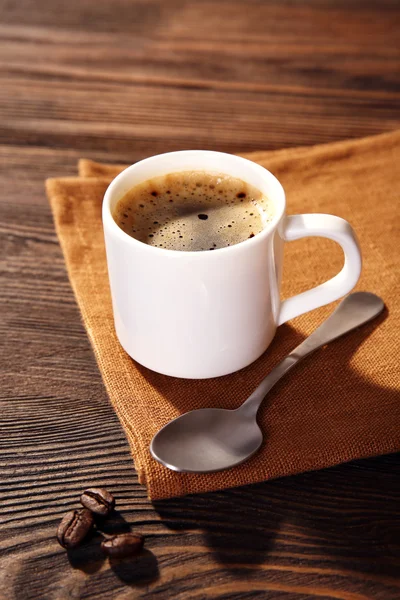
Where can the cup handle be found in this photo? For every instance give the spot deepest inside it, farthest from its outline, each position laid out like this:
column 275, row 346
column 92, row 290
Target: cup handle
column 333, row 228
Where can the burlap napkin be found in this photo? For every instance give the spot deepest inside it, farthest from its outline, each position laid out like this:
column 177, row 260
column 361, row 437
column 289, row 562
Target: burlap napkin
column 341, row 404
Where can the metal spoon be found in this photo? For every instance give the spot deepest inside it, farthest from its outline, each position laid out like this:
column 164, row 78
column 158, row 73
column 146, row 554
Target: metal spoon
column 213, row 439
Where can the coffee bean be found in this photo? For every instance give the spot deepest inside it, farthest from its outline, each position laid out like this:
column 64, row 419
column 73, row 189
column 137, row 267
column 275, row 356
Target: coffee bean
column 74, row 527
column 98, row 500
column 124, row 544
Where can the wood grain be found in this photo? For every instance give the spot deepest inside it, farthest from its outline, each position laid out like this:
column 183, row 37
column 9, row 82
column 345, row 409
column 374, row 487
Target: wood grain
column 118, row 81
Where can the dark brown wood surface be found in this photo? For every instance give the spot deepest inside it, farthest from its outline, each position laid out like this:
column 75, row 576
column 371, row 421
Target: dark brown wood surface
column 118, row 80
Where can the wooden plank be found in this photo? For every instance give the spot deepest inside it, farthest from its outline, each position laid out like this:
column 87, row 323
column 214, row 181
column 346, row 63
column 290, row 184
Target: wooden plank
column 118, row 81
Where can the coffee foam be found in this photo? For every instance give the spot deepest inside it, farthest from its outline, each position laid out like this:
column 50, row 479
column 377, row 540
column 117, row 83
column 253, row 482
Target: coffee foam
column 193, row 211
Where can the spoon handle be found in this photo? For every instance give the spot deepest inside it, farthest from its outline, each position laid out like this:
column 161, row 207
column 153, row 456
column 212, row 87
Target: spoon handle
column 353, row 311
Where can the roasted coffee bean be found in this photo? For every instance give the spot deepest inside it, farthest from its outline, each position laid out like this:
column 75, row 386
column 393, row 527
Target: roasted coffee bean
column 74, row 527
column 124, row 544
column 98, row 500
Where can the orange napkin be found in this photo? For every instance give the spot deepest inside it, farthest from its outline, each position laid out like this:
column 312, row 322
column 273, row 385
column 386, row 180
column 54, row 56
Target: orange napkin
column 339, row 405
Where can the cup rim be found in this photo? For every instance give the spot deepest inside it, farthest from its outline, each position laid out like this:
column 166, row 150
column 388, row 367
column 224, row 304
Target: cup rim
column 108, row 219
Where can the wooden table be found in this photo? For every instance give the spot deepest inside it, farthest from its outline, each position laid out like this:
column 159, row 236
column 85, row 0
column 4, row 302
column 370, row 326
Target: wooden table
column 116, row 81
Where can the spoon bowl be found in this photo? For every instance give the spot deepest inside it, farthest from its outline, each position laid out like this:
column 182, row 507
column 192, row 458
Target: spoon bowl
column 208, row 439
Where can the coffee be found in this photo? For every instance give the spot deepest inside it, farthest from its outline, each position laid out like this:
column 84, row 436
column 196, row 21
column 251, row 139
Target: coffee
column 77, row 524
column 74, row 527
column 98, row 500
column 193, row 211
column 122, row 545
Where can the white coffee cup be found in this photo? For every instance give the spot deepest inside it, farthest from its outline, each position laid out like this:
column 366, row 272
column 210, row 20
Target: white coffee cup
column 206, row 314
